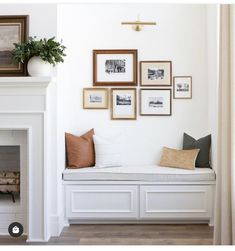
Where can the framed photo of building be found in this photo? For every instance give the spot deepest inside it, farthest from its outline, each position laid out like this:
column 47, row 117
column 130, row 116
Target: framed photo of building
column 114, row 67
column 155, row 102
column 123, row 103
column 182, row 87
column 13, row 29
column 155, row 73
column 95, row 98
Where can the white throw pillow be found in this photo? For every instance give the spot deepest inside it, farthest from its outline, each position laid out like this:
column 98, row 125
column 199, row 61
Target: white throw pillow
column 107, row 151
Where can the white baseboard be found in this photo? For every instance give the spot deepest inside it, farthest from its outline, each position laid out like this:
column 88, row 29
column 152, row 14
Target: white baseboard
column 66, row 223
column 57, row 224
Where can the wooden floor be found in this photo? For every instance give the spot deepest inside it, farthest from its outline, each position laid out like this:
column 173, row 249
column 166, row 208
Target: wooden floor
column 126, row 235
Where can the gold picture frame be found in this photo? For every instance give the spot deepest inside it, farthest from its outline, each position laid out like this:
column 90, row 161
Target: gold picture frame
column 123, row 104
column 95, row 98
column 182, row 87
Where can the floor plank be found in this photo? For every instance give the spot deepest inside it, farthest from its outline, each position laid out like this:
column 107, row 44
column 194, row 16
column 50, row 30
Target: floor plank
column 126, row 235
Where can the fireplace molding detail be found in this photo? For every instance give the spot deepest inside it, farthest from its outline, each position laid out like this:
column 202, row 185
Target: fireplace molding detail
column 27, row 103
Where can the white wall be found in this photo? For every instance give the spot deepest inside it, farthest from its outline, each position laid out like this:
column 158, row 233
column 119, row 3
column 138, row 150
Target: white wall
column 42, row 17
column 180, row 36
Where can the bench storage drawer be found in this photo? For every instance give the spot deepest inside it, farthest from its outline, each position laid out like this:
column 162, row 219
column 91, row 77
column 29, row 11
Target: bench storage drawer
column 101, row 202
column 175, row 202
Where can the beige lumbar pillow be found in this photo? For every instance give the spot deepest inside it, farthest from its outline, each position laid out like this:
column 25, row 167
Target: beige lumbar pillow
column 179, row 158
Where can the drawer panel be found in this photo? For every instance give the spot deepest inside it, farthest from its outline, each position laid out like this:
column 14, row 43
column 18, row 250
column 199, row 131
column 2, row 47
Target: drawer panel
column 181, row 201
column 101, row 201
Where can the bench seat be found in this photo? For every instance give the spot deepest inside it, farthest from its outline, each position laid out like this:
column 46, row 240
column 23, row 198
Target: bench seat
column 139, row 194
column 139, row 173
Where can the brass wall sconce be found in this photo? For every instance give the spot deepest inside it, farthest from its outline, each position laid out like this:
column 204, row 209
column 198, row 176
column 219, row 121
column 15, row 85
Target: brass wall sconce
column 138, row 25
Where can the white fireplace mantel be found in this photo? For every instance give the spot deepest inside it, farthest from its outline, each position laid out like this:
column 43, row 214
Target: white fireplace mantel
column 25, row 103
column 25, row 81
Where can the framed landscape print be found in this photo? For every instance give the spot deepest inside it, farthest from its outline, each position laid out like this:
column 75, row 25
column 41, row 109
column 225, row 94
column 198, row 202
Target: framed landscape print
column 155, row 73
column 13, row 29
column 95, row 98
column 123, row 103
column 155, row 102
column 114, row 67
column 182, row 87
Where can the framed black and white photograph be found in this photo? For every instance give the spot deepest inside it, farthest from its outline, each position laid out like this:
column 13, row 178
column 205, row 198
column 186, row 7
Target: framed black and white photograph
column 13, row 29
column 123, row 103
column 155, row 73
column 95, row 98
column 182, row 87
column 114, row 67
column 155, row 102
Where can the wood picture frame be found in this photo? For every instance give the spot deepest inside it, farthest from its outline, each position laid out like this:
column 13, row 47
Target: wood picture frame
column 115, row 67
column 13, row 29
column 95, row 98
column 156, row 73
column 182, row 87
column 152, row 102
column 123, row 104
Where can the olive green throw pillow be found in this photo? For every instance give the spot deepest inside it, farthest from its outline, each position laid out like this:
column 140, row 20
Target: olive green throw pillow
column 204, row 144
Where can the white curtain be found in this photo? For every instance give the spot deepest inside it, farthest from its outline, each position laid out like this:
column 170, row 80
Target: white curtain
column 224, row 230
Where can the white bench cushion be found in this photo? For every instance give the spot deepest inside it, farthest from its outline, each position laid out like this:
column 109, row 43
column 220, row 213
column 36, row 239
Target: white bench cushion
column 139, row 173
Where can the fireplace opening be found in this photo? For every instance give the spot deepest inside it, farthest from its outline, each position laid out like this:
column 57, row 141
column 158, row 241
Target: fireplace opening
column 13, row 178
column 10, row 173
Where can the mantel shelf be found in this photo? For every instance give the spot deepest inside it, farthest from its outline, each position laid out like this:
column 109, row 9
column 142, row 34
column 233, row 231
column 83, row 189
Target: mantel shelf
column 24, row 81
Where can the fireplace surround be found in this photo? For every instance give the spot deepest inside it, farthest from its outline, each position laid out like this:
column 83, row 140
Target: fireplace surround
column 25, row 105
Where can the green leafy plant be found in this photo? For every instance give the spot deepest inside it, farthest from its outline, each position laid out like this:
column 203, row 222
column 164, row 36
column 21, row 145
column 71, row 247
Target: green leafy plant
column 47, row 49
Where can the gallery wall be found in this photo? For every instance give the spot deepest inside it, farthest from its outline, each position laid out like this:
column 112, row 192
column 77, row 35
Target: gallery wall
column 180, row 36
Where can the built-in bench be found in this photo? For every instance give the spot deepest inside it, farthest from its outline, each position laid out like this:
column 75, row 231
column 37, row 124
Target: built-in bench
column 139, row 194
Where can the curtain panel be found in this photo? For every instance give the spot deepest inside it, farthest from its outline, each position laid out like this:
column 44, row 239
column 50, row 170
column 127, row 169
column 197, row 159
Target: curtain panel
column 224, row 230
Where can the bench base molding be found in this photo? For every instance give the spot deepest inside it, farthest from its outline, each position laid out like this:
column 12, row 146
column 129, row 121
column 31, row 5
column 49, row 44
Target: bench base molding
column 137, row 222
column 138, row 203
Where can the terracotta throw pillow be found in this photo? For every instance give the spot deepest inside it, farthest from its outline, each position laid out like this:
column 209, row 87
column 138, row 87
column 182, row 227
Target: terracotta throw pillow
column 80, row 150
column 179, row 158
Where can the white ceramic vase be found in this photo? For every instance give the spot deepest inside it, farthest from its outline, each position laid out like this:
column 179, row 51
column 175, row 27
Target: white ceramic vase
column 38, row 68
